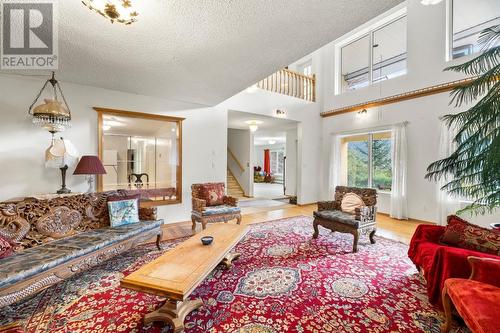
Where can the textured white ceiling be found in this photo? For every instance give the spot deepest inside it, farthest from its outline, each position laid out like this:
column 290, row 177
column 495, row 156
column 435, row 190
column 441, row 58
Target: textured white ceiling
column 200, row 51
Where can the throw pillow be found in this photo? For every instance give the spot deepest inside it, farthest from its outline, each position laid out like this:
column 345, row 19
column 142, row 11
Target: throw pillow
column 6, row 247
column 123, row 210
column 213, row 194
column 350, row 202
column 461, row 233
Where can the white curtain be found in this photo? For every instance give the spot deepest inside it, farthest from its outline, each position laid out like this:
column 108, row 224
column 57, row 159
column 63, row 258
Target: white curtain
column 399, row 205
column 334, row 165
column 447, row 205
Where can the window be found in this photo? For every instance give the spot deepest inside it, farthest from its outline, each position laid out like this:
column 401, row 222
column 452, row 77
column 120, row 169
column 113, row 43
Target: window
column 277, row 161
column 306, row 69
column 367, row 160
column 376, row 56
column 469, row 18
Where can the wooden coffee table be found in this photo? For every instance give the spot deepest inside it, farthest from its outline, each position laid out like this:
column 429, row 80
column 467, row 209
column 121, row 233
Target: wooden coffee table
column 179, row 271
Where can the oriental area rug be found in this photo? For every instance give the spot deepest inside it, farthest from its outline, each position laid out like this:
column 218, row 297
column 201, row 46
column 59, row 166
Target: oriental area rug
column 284, row 281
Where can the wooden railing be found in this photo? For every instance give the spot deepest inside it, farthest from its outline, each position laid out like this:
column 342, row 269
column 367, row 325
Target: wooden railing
column 290, row 83
column 240, row 165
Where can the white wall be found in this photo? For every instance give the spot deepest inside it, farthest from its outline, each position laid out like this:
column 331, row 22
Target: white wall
column 240, row 142
column 426, row 61
column 291, row 162
column 22, row 146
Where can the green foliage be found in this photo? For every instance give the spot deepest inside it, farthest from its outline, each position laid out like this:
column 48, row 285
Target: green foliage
column 474, row 166
column 358, row 164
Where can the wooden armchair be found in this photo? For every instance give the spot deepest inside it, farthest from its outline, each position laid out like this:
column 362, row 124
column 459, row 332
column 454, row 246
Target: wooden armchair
column 210, row 204
column 477, row 299
column 363, row 221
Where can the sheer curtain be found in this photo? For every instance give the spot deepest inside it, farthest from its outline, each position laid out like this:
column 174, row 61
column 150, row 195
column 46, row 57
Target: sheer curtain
column 447, row 204
column 334, row 165
column 399, row 205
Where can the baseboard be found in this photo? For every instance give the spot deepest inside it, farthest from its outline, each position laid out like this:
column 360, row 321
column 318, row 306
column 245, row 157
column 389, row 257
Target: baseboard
column 409, row 219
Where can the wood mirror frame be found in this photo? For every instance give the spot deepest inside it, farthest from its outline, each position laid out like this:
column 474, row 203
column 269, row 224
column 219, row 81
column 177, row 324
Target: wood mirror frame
column 146, row 194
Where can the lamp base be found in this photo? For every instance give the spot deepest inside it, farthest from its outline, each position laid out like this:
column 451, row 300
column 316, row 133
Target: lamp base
column 63, row 189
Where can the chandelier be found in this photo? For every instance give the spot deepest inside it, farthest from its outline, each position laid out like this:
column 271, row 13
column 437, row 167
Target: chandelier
column 53, row 115
column 120, row 11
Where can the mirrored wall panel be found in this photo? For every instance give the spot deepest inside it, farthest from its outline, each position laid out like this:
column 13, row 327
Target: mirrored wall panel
column 141, row 154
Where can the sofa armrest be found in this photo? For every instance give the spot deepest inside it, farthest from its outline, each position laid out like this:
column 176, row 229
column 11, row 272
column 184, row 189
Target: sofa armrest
column 428, row 232
column 199, row 205
column 486, row 270
column 327, row 205
column 230, row 201
column 366, row 214
column 147, row 213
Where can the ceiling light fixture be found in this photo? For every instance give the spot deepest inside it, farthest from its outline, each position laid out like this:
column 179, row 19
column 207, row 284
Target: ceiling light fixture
column 120, row 11
column 362, row 113
column 280, row 113
column 54, row 114
column 253, row 125
column 430, row 2
column 271, row 142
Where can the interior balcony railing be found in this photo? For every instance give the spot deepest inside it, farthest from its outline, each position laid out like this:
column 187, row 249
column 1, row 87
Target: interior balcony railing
column 290, row 83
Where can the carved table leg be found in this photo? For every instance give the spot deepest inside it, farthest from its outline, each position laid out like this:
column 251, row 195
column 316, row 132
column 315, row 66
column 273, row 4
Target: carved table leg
column 446, row 326
column 228, row 260
column 316, row 230
column 355, row 233
column 158, row 240
column 238, row 219
column 173, row 313
column 193, row 220
column 372, row 234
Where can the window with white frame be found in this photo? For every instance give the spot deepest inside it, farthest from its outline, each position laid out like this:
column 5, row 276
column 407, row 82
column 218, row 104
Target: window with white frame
column 277, row 161
column 376, row 56
column 468, row 19
column 366, row 160
column 306, row 69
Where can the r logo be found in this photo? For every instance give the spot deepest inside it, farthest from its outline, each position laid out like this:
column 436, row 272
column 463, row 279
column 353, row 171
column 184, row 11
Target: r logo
column 28, row 28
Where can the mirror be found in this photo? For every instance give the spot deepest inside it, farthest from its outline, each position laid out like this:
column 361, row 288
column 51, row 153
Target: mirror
column 141, row 154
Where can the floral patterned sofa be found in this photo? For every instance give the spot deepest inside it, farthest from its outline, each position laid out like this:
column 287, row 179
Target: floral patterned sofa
column 56, row 238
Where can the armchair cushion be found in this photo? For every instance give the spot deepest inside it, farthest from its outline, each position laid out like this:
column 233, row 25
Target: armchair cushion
column 337, row 215
column 213, row 193
column 217, row 210
column 476, row 302
column 350, row 202
column 463, row 234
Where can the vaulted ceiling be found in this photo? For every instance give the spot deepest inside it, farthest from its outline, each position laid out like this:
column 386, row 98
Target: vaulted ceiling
column 200, row 51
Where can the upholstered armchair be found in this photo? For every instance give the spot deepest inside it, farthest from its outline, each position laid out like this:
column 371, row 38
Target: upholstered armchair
column 210, row 204
column 361, row 220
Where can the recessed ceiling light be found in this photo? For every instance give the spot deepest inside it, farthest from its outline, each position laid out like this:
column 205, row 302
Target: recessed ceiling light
column 430, row 2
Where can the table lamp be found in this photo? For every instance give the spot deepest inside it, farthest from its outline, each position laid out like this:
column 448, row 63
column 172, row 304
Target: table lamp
column 90, row 166
column 61, row 155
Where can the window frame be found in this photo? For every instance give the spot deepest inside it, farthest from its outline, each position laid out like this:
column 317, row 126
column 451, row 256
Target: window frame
column 370, row 135
column 276, row 151
column 356, row 37
column 449, row 36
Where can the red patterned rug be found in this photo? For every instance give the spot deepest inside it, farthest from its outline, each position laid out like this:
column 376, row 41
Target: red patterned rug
column 284, row 282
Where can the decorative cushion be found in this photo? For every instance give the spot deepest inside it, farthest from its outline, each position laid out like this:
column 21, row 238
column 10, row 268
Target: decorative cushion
column 213, row 193
column 337, row 216
column 350, row 202
column 123, row 210
column 221, row 209
column 24, row 264
column 6, row 247
column 463, row 234
column 59, row 222
column 476, row 302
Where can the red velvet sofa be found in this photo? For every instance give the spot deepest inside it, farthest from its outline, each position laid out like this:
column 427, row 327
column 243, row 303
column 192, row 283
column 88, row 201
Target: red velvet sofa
column 439, row 261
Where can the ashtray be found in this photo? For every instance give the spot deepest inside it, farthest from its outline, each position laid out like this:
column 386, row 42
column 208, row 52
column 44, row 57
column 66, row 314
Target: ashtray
column 495, row 226
column 207, row 240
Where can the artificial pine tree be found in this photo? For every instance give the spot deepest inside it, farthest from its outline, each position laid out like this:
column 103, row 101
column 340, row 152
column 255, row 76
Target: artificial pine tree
column 474, row 166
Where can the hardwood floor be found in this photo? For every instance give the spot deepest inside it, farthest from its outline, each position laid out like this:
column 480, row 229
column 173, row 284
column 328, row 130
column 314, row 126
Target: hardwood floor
column 386, row 226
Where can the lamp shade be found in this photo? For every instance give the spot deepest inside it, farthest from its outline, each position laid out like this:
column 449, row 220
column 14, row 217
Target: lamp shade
column 60, row 153
column 90, row 165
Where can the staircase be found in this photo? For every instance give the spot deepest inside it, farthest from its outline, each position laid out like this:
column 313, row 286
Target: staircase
column 233, row 188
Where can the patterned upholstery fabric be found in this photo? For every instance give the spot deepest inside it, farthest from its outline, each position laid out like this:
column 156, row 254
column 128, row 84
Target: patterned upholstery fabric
column 463, row 234
column 222, row 209
column 213, row 193
column 337, row 215
column 6, row 247
column 44, row 257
